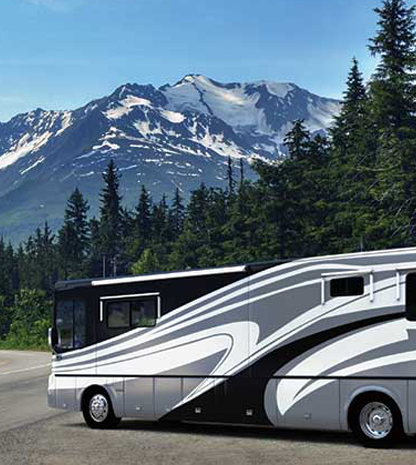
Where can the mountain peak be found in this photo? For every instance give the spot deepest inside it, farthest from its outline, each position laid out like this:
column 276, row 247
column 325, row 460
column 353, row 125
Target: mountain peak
column 206, row 85
column 131, row 89
column 138, row 92
column 191, row 78
column 175, row 136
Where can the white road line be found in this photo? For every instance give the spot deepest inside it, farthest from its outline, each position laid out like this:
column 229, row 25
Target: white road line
column 26, row 369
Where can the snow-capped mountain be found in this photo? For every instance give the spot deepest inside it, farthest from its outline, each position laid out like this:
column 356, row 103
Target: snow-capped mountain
column 175, row 136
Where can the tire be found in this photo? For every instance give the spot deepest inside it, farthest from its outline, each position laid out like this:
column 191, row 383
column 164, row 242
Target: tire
column 98, row 411
column 376, row 421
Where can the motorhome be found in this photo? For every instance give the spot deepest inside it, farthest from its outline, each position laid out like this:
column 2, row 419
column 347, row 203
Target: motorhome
column 326, row 343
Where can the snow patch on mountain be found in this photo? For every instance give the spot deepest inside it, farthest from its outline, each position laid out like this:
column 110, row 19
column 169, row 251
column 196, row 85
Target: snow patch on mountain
column 65, row 123
column 146, row 128
column 321, row 115
column 106, row 145
column 277, row 89
column 218, row 144
column 231, row 104
column 126, row 105
column 22, row 148
column 173, row 116
column 246, row 107
column 37, row 162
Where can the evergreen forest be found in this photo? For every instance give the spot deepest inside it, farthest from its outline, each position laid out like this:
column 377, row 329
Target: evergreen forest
column 354, row 190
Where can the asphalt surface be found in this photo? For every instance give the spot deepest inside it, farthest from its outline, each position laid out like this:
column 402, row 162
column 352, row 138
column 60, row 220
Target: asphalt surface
column 32, row 434
column 23, row 381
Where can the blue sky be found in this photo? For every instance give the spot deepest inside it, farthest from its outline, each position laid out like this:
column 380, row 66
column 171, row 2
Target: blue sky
column 60, row 54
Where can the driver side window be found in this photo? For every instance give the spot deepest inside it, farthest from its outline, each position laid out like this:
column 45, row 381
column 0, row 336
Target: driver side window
column 411, row 296
column 71, row 324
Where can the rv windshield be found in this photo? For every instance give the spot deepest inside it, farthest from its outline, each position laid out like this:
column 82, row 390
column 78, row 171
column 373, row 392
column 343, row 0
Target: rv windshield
column 70, row 322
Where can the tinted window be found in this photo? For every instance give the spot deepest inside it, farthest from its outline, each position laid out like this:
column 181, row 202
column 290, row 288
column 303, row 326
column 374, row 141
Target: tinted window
column 143, row 313
column 129, row 314
column 80, row 324
column 347, row 286
column 65, row 324
column 118, row 315
column 70, row 321
column 411, row 296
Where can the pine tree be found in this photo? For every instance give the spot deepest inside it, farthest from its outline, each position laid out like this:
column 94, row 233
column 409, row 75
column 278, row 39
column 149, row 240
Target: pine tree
column 47, row 259
column 217, row 215
column 6, row 267
column 230, row 177
column 110, row 214
column 127, row 225
column 143, row 211
column 73, row 236
column 352, row 167
column 20, row 265
column 295, row 197
column 13, row 269
column 95, row 259
column 393, row 86
column 242, row 179
column 187, row 248
column 40, row 269
column 393, row 92
column 6, row 316
column 142, row 224
column 354, row 110
column 297, row 141
column 198, row 209
column 245, row 229
column 177, row 214
column 161, row 234
column 292, row 188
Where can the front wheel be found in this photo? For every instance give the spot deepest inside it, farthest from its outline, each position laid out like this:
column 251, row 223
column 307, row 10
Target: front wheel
column 376, row 421
column 98, row 411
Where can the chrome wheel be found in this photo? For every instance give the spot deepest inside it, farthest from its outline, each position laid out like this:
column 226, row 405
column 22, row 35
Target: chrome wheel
column 98, row 408
column 376, row 420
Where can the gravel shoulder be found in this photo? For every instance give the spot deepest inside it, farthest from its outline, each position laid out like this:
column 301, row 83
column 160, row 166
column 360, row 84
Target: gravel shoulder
column 64, row 439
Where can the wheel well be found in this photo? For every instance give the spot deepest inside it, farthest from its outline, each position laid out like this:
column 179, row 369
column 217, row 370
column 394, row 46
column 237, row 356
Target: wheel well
column 371, row 395
column 90, row 390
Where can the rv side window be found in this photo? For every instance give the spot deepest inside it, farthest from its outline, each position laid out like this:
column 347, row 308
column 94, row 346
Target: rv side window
column 134, row 313
column 118, row 315
column 411, row 296
column 344, row 287
column 143, row 313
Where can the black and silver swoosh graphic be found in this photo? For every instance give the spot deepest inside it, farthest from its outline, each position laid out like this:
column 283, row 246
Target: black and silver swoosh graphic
column 227, row 401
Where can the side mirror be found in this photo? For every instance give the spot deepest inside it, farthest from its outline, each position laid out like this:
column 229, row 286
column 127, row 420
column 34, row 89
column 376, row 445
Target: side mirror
column 52, row 338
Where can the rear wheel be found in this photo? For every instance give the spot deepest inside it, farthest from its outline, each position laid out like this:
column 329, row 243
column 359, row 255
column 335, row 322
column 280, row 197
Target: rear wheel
column 98, row 411
column 376, row 421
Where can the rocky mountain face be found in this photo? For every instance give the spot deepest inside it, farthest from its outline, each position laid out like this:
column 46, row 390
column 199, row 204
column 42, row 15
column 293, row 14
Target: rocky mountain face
column 175, row 136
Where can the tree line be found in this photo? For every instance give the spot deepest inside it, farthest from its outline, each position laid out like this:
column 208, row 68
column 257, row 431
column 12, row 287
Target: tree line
column 354, row 190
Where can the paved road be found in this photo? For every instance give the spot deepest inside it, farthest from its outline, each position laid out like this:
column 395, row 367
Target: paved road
column 32, row 434
column 23, row 380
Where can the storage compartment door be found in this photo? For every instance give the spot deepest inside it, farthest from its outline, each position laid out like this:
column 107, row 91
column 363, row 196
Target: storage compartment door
column 308, row 403
column 139, row 398
column 168, row 393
